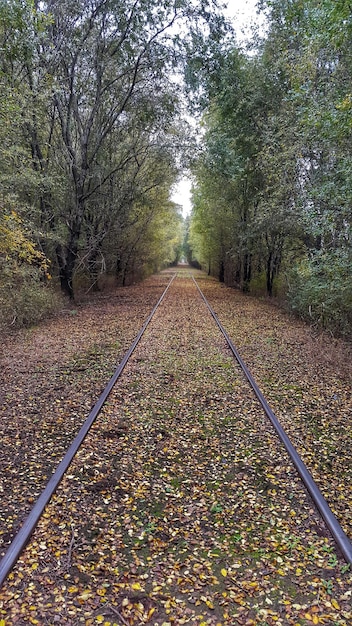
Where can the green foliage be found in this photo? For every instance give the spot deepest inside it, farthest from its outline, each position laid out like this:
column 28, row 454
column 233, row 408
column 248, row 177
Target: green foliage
column 258, row 285
column 273, row 184
column 242, row 181
column 88, row 109
column 91, row 132
column 25, row 301
column 321, row 291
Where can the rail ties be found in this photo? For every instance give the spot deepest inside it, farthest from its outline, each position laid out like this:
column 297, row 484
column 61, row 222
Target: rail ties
column 21, row 539
column 23, row 536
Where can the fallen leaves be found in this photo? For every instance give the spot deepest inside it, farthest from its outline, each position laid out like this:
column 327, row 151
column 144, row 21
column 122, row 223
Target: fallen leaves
column 181, row 507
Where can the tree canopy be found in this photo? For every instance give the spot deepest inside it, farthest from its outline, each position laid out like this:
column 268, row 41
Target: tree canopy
column 272, row 199
column 94, row 136
column 94, row 127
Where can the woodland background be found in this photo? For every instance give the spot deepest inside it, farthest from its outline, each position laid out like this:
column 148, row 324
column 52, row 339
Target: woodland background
column 95, row 99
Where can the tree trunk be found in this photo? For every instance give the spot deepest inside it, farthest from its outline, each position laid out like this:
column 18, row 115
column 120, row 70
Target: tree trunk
column 66, row 257
column 222, row 272
column 94, row 268
column 247, row 272
column 272, row 270
column 269, row 276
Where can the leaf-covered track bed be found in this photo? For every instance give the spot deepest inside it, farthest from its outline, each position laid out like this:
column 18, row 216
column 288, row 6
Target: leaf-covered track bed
column 307, row 381
column 182, row 507
column 50, row 377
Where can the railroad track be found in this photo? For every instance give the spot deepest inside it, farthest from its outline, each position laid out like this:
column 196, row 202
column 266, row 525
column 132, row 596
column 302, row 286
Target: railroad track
column 23, row 536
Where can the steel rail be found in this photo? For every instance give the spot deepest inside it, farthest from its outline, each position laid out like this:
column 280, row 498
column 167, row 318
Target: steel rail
column 341, row 539
column 21, row 539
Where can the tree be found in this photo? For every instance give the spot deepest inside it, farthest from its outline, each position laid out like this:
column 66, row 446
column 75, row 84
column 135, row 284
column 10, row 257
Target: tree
column 234, row 137
column 314, row 39
column 98, row 96
column 276, row 163
column 151, row 231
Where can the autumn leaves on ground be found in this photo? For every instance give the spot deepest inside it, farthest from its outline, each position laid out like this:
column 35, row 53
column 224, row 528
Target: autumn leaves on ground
column 181, row 506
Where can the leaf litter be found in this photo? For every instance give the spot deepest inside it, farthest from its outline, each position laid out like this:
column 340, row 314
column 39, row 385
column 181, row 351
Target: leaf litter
column 181, row 506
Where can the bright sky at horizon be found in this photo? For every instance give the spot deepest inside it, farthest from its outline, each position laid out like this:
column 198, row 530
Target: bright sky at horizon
column 244, row 15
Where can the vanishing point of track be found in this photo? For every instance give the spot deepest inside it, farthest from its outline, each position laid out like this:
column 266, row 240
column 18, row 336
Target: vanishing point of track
column 21, row 539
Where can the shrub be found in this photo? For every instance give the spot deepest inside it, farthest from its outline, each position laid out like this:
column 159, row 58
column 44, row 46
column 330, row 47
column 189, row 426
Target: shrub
column 320, row 291
column 25, row 295
column 27, row 306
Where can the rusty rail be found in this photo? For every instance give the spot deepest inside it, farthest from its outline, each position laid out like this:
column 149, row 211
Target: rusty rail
column 341, row 539
column 21, row 539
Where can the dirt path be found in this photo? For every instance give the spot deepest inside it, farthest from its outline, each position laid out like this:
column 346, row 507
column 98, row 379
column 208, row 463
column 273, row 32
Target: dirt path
column 181, row 507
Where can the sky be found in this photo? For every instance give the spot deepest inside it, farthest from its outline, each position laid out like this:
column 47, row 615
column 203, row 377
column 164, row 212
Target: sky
column 243, row 14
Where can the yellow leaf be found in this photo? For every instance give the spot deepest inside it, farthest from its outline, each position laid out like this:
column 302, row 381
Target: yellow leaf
column 254, row 584
column 85, row 595
column 34, row 565
column 99, row 619
column 101, row 592
column 136, row 586
column 315, row 619
column 224, row 572
column 335, row 604
column 2, row 622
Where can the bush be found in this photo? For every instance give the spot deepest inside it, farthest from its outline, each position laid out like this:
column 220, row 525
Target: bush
column 320, row 291
column 26, row 302
column 25, row 296
column 27, row 307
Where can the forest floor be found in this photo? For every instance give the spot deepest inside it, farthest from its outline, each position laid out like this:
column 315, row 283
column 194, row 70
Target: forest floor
column 181, row 506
